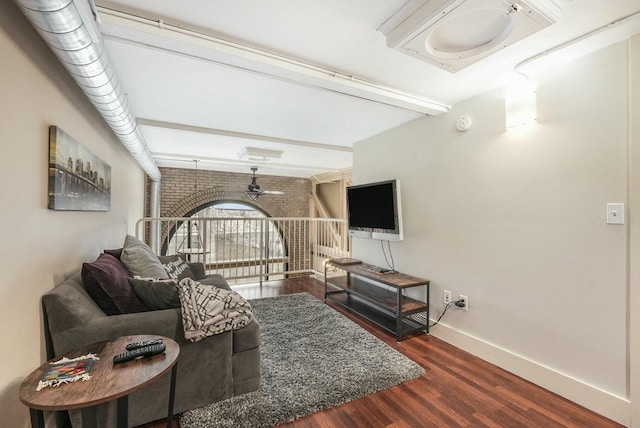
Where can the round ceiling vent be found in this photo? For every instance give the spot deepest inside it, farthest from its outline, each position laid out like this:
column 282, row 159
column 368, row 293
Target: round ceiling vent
column 469, row 33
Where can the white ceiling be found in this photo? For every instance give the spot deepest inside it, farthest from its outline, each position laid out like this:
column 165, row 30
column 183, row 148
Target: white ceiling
column 206, row 79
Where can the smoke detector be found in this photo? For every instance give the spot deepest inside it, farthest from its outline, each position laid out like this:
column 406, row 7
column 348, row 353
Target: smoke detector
column 453, row 34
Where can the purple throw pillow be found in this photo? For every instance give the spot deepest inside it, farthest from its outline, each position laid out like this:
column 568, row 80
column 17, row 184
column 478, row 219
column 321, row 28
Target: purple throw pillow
column 117, row 253
column 107, row 282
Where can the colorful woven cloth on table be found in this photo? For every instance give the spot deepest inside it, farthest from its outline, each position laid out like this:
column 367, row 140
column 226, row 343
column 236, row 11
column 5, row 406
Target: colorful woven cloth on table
column 67, row 370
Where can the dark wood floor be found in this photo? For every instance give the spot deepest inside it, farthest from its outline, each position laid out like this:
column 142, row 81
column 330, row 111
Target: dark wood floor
column 458, row 389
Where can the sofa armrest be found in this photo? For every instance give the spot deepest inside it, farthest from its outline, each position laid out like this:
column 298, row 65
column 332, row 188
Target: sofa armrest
column 166, row 323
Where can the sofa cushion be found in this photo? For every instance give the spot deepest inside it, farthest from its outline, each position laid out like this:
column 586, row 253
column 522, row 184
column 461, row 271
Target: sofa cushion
column 216, row 280
column 176, row 267
column 140, row 259
column 106, row 281
column 156, row 294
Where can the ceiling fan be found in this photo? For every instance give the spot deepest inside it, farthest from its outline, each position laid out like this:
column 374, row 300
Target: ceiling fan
column 253, row 189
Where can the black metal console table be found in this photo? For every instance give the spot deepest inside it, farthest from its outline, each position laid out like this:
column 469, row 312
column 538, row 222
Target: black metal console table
column 378, row 297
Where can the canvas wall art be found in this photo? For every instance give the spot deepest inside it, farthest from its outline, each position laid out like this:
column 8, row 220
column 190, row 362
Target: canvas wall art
column 78, row 180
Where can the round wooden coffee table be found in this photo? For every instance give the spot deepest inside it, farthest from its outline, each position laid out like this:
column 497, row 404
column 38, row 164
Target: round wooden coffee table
column 108, row 381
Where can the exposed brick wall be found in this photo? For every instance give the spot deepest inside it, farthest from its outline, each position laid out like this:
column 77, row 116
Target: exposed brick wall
column 179, row 197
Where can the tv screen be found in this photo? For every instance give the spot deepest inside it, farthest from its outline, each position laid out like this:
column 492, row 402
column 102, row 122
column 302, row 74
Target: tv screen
column 374, row 210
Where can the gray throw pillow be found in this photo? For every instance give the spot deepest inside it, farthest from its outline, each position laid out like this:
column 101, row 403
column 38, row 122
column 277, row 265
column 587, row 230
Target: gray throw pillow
column 156, row 294
column 140, row 259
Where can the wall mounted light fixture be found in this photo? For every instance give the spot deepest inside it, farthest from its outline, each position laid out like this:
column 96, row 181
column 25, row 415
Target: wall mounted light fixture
column 520, row 106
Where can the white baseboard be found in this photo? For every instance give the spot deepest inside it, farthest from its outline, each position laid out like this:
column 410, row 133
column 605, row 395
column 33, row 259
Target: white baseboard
column 602, row 402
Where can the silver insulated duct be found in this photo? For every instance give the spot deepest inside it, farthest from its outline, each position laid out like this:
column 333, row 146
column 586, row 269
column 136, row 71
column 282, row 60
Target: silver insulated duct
column 69, row 28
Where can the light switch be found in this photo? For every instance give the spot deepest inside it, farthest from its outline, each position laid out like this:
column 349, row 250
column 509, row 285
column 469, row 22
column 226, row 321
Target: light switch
column 615, row 213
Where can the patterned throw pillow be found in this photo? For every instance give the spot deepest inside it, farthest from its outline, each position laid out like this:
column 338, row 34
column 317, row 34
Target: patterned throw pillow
column 176, row 267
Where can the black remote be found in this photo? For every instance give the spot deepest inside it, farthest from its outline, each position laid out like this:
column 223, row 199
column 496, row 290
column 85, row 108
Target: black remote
column 145, row 351
column 134, row 345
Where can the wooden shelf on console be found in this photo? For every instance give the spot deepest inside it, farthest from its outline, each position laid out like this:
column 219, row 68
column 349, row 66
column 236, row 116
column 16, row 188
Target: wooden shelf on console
column 379, row 297
column 385, row 298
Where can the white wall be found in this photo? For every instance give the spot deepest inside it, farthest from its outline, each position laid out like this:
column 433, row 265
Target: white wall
column 516, row 221
column 634, row 219
column 40, row 247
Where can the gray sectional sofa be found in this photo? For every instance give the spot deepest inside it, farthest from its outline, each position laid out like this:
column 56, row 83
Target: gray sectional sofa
column 215, row 368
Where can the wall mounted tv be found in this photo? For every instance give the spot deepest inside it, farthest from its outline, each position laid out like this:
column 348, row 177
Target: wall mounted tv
column 374, row 210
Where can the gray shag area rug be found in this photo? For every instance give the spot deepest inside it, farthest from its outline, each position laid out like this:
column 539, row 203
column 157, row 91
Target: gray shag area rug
column 312, row 358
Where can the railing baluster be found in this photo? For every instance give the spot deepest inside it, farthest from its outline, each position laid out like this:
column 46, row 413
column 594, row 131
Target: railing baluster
column 257, row 247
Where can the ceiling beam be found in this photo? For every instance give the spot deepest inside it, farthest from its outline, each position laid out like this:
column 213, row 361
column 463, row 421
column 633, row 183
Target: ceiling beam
column 164, row 158
column 158, row 34
column 242, row 135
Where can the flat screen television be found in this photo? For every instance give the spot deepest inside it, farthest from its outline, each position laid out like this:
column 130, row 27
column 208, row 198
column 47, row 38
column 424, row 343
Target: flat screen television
column 374, row 211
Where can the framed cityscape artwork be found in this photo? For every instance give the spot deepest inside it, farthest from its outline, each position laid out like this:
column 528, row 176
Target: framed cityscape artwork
column 78, row 180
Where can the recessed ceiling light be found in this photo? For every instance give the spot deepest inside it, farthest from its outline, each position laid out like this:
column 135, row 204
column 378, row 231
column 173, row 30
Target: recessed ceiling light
column 255, row 154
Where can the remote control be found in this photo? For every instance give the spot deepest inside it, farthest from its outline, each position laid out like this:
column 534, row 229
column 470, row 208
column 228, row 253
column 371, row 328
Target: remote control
column 145, row 351
column 134, row 345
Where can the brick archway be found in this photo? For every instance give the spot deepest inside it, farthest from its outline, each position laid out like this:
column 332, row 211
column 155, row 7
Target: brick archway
column 185, row 191
column 203, row 198
column 208, row 196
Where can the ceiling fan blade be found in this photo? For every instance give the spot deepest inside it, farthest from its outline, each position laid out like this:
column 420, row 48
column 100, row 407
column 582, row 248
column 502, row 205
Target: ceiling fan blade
column 272, row 192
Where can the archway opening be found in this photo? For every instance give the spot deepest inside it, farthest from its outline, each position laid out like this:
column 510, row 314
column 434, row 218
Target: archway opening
column 232, row 238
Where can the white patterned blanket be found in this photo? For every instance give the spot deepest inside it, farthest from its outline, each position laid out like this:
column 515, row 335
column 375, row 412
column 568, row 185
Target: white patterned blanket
column 209, row 310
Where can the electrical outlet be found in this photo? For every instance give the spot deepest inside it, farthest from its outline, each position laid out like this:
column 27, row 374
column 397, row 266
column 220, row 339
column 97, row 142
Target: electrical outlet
column 466, row 302
column 446, row 296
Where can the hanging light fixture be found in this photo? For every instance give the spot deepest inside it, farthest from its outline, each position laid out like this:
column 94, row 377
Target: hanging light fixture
column 195, row 189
